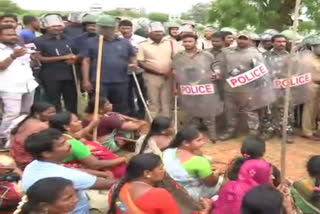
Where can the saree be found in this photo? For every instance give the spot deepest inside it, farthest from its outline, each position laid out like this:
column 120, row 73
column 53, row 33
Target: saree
column 154, row 201
column 194, row 185
column 252, row 173
column 101, row 153
column 301, row 192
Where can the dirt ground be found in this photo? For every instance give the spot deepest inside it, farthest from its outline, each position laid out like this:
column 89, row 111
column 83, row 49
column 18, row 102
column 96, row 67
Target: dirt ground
column 297, row 154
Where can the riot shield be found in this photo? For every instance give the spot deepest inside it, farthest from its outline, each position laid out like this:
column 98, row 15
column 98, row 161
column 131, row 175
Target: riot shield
column 300, row 81
column 247, row 80
column 199, row 95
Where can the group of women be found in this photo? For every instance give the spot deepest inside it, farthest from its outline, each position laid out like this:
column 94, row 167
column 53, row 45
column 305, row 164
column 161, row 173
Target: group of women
column 168, row 174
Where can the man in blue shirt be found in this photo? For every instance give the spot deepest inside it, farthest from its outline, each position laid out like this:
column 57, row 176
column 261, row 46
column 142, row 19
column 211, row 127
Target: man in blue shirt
column 49, row 148
column 31, row 25
column 118, row 56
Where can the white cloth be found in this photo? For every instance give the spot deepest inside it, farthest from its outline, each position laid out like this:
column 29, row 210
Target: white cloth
column 14, row 104
column 194, row 186
column 18, row 77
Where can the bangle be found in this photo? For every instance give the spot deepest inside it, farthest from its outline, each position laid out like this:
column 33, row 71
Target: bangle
column 12, row 57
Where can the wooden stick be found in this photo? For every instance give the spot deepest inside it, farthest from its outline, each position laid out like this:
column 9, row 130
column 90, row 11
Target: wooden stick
column 97, row 91
column 287, row 95
column 176, row 114
column 141, row 96
column 127, row 139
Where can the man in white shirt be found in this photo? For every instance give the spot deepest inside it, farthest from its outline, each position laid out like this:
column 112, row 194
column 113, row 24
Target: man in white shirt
column 126, row 30
column 17, row 81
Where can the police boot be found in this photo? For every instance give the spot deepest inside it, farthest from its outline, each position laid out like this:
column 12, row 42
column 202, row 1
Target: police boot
column 290, row 135
column 267, row 129
column 229, row 134
column 253, row 132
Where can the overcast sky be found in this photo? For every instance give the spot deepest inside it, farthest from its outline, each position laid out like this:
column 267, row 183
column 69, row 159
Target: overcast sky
column 167, row 6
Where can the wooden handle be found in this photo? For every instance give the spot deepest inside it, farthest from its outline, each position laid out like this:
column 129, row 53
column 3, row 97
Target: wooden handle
column 97, row 91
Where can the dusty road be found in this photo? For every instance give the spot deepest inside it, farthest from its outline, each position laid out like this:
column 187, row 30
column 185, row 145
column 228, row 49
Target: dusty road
column 297, row 154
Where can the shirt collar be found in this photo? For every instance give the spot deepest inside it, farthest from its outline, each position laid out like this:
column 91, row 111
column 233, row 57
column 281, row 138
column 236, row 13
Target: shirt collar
column 115, row 38
column 197, row 53
column 279, row 53
column 153, row 42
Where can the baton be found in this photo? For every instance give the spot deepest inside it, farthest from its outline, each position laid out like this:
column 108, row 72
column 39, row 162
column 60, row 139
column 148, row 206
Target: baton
column 141, row 96
column 74, row 71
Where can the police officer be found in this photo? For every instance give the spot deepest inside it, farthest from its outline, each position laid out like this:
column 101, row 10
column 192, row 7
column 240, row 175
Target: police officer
column 74, row 27
column 89, row 29
column 244, row 98
column 311, row 108
column 273, row 114
column 208, row 33
column 192, row 74
column 173, row 31
column 118, row 57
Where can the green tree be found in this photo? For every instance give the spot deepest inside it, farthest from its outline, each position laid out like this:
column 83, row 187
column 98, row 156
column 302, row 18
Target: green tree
column 199, row 13
column 159, row 17
column 233, row 13
column 311, row 10
column 114, row 13
column 261, row 14
column 8, row 6
column 133, row 14
column 186, row 16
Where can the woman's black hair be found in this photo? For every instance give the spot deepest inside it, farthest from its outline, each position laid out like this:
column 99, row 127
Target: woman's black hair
column 234, row 169
column 35, row 109
column 263, row 199
column 277, row 176
column 158, row 125
column 135, row 169
column 46, row 190
column 91, row 104
column 60, row 120
column 187, row 133
column 253, row 147
column 313, row 168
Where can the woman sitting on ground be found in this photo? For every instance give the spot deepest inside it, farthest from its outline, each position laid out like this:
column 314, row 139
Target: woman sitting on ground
column 111, row 124
column 251, row 148
column 136, row 193
column 158, row 138
column 306, row 193
column 53, row 195
column 36, row 121
column 72, row 128
column 187, row 168
column 252, row 173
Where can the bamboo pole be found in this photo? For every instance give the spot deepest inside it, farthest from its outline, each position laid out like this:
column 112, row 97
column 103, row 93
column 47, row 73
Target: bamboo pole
column 176, row 114
column 287, row 94
column 97, row 91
